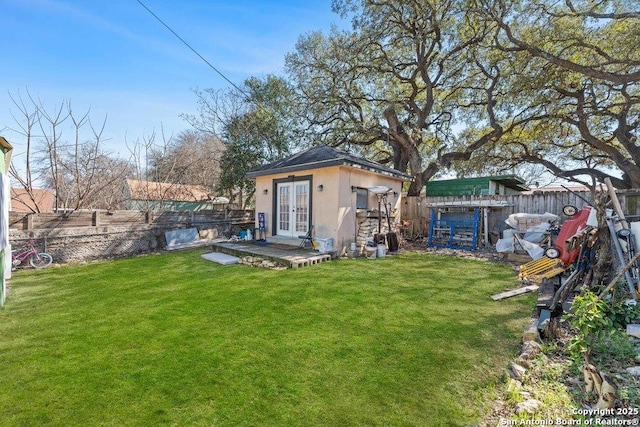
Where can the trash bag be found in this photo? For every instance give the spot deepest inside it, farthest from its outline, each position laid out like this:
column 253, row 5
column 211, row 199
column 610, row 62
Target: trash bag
column 537, row 233
column 534, row 251
column 504, row 245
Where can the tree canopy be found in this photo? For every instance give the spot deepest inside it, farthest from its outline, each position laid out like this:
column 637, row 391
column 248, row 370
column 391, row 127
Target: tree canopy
column 583, row 67
column 428, row 85
column 257, row 124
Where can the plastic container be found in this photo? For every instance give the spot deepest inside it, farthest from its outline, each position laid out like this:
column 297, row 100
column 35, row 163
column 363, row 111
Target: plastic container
column 370, row 251
column 505, row 245
column 381, row 252
column 324, row 244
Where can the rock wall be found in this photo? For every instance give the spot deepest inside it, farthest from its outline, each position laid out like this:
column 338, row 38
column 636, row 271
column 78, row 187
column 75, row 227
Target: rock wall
column 80, row 244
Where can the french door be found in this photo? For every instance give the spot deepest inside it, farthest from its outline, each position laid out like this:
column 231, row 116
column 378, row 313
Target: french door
column 293, row 208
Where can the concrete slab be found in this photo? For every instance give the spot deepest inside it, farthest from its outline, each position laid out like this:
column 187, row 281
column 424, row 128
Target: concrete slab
column 221, row 258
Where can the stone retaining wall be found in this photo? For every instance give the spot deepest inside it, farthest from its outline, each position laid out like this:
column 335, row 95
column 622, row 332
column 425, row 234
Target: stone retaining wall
column 80, row 244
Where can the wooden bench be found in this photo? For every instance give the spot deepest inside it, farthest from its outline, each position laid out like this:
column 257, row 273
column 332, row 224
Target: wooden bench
column 184, row 238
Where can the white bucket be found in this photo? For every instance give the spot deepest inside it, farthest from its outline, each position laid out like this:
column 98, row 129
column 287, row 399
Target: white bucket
column 370, row 251
column 382, row 250
column 353, row 247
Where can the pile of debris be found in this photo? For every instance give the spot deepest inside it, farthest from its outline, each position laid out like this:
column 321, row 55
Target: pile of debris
column 528, row 232
column 594, row 250
column 596, row 247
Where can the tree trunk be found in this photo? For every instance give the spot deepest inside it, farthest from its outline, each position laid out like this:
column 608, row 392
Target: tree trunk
column 406, row 151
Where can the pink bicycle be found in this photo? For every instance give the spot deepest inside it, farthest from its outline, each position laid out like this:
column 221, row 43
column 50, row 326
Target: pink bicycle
column 36, row 259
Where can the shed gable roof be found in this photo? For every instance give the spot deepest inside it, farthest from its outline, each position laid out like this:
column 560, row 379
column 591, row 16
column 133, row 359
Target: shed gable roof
column 321, row 156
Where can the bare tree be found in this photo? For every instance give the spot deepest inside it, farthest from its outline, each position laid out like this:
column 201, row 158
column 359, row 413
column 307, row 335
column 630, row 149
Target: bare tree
column 80, row 173
column 168, row 167
column 191, row 158
column 27, row 120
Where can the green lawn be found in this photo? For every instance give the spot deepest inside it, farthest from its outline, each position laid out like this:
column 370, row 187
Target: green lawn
column 172, row 339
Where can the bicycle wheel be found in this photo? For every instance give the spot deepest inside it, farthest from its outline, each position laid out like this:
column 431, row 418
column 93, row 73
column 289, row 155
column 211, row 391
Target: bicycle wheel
column 41, row 260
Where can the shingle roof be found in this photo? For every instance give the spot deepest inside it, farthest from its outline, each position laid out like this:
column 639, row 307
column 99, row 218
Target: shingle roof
column 323, row 156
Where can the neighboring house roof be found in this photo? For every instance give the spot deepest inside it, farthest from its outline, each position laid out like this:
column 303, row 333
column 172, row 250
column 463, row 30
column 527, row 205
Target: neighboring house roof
column 22, row 200
column 473, row 186
column 321, row 156
column 150, row 190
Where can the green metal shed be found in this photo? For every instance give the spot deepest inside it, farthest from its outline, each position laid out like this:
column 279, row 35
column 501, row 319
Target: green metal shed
column 480, row 186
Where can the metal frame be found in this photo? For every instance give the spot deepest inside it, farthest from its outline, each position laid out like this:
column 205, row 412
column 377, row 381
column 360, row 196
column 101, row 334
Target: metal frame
column 453, row 227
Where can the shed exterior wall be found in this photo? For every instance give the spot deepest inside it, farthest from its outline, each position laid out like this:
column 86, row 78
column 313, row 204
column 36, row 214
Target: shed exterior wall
column 333, row 209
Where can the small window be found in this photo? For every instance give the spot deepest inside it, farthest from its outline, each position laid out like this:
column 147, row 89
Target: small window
column 362, row 196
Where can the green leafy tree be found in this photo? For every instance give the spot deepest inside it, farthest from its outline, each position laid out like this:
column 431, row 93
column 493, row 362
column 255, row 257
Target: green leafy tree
column 257, row 124
column 405, row 81
column 479, row 85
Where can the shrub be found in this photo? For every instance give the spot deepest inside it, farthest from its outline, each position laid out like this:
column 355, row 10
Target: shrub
column 589, row 318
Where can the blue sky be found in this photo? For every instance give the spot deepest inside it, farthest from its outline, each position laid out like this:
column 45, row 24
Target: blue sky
column 116, row 59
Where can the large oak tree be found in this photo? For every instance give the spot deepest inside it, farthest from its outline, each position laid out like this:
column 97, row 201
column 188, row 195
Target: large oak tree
column 583, row 60
column 428, row 85
column 406, row 81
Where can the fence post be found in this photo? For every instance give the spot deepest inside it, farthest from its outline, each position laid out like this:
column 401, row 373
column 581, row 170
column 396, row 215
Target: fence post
column 95, row 219
column 30, row 222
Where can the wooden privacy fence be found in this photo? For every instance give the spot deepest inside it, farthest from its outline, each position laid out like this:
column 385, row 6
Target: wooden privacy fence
column 44, row 221
column 416, row 211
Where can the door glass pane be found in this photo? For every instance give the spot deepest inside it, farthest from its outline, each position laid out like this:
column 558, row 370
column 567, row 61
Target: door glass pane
column 284, row 205
column 302, row 207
